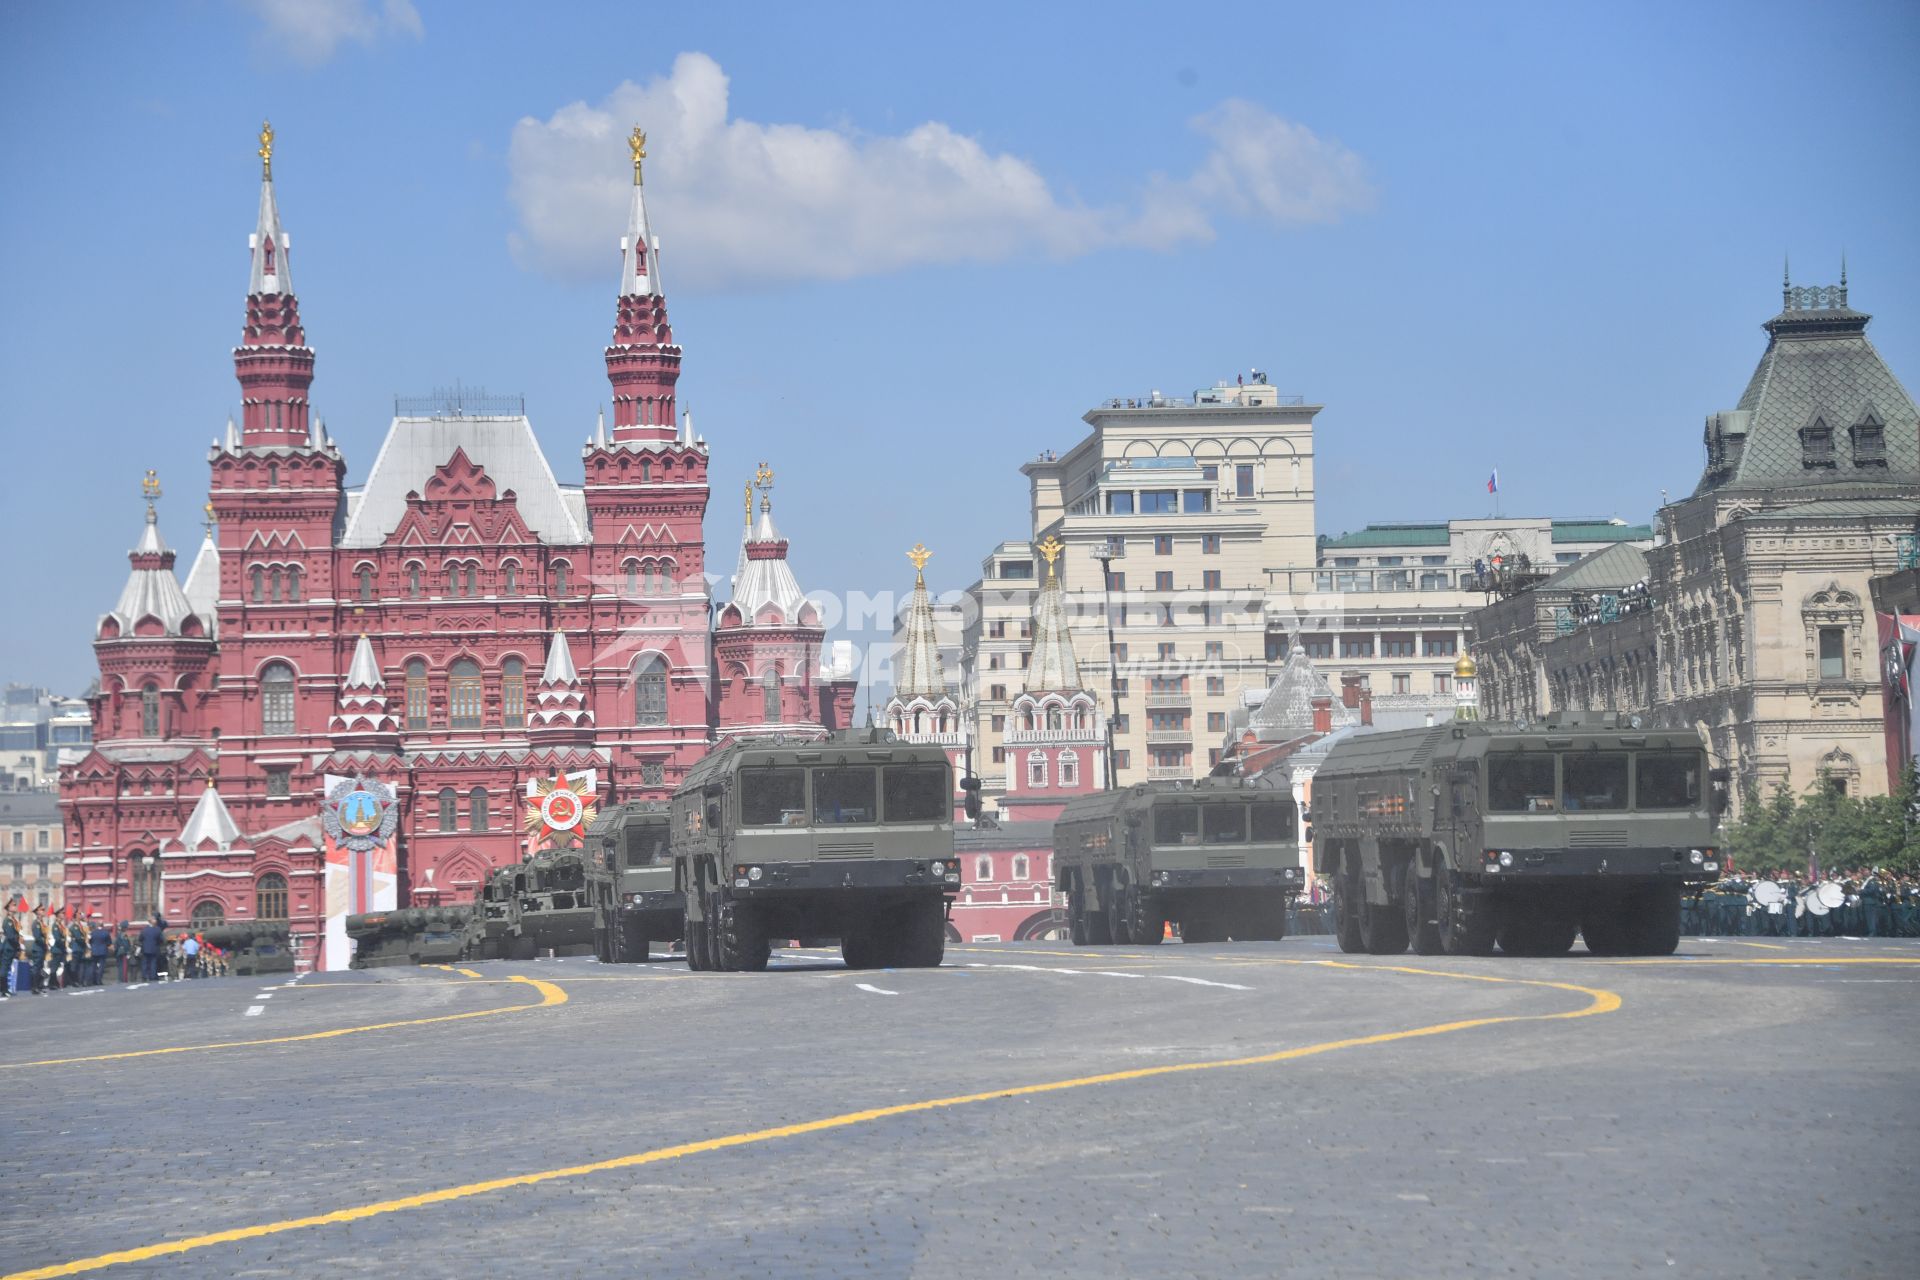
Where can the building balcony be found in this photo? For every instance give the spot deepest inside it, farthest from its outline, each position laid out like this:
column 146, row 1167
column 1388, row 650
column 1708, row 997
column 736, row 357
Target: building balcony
column 1169, row 772
column 934, row 739
column 1176, row 699
column 1043, row 737
column 1169, row 737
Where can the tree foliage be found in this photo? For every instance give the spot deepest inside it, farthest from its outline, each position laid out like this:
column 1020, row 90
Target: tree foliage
column 1785, row 832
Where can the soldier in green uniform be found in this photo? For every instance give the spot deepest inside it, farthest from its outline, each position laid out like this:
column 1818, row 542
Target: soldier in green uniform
column 37, row 950
column 9, row 949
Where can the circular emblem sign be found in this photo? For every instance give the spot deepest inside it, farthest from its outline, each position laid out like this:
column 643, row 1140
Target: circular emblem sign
column 359, row 813
column 561, row 809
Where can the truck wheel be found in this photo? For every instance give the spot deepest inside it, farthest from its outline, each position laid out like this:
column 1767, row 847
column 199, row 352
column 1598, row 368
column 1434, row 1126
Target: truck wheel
column 1076, row 921
column 861, row 947
column 1120, row 918
column 1346, row 917
column 1098, row 933
column 1423, row 931
column 696, row 932
column 924, row 938
column 1149, row 923
column 742, row 940
column 1603, row 923
column 520, row 948
column 1383, row 930
column 1466, row 924
column 1653, row 920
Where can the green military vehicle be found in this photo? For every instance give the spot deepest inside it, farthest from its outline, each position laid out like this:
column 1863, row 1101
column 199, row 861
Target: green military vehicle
column 848, row 836
column 409, row 935
column 1461, row 836
column 630, row 872
column 550, row 903
column 253, row 947
column 486, row 935
column 1218, row 857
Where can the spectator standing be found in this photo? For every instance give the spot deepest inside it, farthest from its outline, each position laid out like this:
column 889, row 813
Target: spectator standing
column 152, row 938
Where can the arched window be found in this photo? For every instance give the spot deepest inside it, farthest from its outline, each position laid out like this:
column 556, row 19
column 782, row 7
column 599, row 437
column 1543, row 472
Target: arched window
column 559, row 577
column 270, row 897
column 365, row 576
column 449, row 809
column 513, row 692
column 771, row 693
column 919, row 721
column 510, row 579
column 477, row 809
column 1021, row 866
column 293, row 585
column 632, row 570
column 146, row 882
column 1036, row 768
column 150, row 711
column 207, row 913
column 473, row 578
column 276, row 698
column 463, row 694
column 646, row 470
column 1026, row 720
column 1069, row 769
column 416, row 692
column 1053, row 718
column 650, row 690
column 983, row 869
column 273, row 583
column 273, row 468
column 453, row 580
column 259, row 576
column 413, row 581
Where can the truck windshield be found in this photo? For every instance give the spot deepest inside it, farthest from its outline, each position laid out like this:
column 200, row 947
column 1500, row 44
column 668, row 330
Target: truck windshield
column 773, row 797
column 844, row 795
column 1272, row 820
column 1666, row 780
column 644, row 843
column 917, row 793
column 1593, row 781
column 1176, row 824
column 1224, row 823
column 1520, row 784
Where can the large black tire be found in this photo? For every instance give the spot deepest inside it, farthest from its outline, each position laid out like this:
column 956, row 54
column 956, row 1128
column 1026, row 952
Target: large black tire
column 1467, row 925
column 1423, row 929
column 519, row 948
column 1076, row 922
column 1099, row 933
column 923, row 936
column 1346, row 916
column 1120, row 918
column 1653, row 920
column 696, row 932
column 1603, row 925
column 741, row 939
column 863, row 948
column 1383, row 930
column 1148, row 922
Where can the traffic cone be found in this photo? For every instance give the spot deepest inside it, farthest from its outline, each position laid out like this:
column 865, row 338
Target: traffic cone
column 1168, row 935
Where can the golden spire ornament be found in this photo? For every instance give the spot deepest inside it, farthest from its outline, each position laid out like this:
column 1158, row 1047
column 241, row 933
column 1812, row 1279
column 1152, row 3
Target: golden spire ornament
column 637, row 144
column 749, row 504
column 764, row 479
column 266, row 151
column 919, row 555
column 150, row 486
column 209, row 521
column 1051, row 549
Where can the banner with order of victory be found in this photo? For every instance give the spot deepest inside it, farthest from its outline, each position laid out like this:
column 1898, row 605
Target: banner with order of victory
column 359, row 819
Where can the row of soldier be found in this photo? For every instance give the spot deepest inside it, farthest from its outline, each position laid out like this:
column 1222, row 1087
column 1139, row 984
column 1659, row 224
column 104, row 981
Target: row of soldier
column 1867, row 902
column 44, row 950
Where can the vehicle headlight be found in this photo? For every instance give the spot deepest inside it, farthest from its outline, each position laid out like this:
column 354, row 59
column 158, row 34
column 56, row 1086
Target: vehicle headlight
column 1506, row 859
column 1696, row 856
column 939, row 868
column 753, row 873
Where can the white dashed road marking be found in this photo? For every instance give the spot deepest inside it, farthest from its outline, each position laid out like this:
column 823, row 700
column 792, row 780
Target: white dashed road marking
column 255, row 1010
column 1105, row 973
column 879, row 991
column 1202, row 982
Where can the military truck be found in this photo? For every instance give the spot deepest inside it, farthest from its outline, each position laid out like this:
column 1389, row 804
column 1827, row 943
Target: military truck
column 630, row 874
column 848, row 836
column 550, row 906
column 1218, row 857
column 408, row 935
column 486, row 933
column 1459, row 837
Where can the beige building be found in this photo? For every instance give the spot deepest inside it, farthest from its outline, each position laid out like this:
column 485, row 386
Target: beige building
column 1756, row 623
column 32, row 846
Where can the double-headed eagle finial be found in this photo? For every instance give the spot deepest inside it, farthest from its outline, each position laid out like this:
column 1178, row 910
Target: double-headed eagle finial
column 266, row 150
column 919, row 555
column 150, row 486
column 637, row 144
column 1051, row 549
column 763, row 480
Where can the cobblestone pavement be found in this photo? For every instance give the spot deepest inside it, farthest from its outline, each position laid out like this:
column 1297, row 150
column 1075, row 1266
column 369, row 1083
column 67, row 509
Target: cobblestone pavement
column 1745, row 1110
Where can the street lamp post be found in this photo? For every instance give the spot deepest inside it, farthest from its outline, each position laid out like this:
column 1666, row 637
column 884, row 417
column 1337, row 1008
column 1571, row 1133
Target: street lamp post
column 1106, row 553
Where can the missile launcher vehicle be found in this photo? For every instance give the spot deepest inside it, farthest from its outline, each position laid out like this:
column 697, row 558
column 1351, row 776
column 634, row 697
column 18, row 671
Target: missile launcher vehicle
column 630, row 872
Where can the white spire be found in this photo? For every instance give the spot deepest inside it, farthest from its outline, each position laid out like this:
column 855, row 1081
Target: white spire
column 209, row 821
column 365, row 672
column 271, row 271
column 918, row 672
column 639, row 273
column 203, row 582
column 686, row 426
column 233, row 436
column 600, row 429
column 1052, row 666
column 559, row 668
column 151, row 590
column 316, row 434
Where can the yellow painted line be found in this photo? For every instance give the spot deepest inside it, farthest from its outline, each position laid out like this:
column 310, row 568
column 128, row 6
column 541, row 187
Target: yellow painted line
column 1598, row 1002
column 1812, row 960
column 550, row 995
column 1764, row 946
column 469, row 972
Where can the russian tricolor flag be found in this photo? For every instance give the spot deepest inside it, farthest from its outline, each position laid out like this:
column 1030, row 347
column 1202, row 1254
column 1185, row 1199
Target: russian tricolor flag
column 1493, row 481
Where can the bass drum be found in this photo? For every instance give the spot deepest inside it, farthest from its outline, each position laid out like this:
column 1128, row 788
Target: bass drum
column 1766, row 893
column 1831, row 896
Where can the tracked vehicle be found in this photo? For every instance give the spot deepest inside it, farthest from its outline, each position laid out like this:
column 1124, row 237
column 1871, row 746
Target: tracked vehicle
column 1461, row 837
column 846, row 837
column 550, row 906
column 408, row 935
column 630, row 874
column 1217, row 857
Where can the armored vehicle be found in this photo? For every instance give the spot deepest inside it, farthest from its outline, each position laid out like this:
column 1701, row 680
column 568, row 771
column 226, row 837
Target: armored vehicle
column 409, row 935
column 253, row 947
column 848, row 836
column 550, row 906
column 630, row 872
column 1459, row 836
column 1216, row 856
column 486, row 935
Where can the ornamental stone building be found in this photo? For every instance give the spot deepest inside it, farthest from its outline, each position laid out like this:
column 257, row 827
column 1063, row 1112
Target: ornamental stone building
column 1750, row 617
column 457, row 626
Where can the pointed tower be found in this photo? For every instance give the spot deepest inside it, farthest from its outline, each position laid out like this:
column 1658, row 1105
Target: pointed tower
column 643, row 363
column 362, row 720
column 767, row 643
column 1056, row 734
column 273, row 361
column 922, row 709
column 559, row 715
column 154, row 648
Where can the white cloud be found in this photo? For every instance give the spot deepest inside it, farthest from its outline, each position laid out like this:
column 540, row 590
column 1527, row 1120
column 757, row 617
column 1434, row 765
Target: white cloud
column 739, row 203
column 310, row 31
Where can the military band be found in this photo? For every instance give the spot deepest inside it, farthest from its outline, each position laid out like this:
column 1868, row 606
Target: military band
column 46, row 949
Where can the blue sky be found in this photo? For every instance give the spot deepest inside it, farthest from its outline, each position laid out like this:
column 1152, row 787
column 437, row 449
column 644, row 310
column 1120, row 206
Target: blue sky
column 906, row 253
